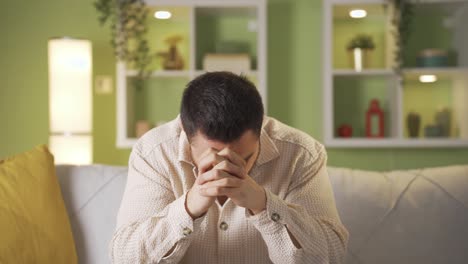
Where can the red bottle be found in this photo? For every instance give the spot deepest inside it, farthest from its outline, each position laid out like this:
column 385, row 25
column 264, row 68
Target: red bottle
column 374, row 120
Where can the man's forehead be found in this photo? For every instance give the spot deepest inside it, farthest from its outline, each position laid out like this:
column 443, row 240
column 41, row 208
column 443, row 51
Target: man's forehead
column 244, row 147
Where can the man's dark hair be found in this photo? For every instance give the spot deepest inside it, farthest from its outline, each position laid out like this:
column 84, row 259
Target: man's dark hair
column 221, row 106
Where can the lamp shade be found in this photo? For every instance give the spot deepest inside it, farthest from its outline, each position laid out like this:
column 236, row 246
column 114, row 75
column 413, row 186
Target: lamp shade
column 70, row 99
column 71, row 149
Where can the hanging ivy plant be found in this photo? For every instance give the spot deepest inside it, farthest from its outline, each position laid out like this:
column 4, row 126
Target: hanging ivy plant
column 127, row 19
column 401, row 20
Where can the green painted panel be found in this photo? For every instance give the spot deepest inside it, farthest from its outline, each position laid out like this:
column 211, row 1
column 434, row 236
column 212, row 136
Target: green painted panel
column 419, row 158
column 366, row 159
column 282, row 69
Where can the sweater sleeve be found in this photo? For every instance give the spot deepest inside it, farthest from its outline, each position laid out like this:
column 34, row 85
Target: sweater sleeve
column 151, row 221
column 309, row 213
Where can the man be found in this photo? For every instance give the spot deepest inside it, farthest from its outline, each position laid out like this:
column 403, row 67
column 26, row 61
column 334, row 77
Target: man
column 224, row 184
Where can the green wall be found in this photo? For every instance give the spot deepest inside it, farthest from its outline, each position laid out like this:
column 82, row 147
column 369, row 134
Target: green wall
column 294, row 77
column 26, row 26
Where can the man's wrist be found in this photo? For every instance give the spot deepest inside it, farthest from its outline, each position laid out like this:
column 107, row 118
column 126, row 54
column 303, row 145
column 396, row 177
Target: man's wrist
column 262, row 208
column 191, row 214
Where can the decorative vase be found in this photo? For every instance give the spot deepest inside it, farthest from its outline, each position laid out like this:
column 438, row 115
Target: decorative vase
column 374, row 120
column 360, row 58
column 442, row 119
column 413, row 122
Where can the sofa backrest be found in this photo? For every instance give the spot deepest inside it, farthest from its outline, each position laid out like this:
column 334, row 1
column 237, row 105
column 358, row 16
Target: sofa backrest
column 417, row 216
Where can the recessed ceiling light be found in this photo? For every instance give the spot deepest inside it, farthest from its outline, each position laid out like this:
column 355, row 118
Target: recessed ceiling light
column 162, row 14
column 429, row 78
column 358, row 13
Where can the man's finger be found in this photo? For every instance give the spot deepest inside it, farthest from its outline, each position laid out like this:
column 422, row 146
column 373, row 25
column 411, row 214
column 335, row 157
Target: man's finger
column 209, row 160
column 215, row 191
column 231, row 168
column 212, row 175
column 232, row 157
column 232, row 182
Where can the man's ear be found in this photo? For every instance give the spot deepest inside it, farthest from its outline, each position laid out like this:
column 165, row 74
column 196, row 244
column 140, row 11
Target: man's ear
column 182, row 127
column 183, row 130
column 179, row 120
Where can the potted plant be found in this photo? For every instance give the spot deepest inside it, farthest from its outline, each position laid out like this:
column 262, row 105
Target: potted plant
column 359, row 49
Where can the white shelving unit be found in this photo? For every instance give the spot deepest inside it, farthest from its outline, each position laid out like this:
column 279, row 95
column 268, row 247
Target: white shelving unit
column 446, row 72
column 162, row 73
column 394, row 92
column 370, row 72
column 397, row 143
column 255, row 10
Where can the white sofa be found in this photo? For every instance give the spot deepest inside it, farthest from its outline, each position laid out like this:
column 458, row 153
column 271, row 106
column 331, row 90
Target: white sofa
column 417, row 216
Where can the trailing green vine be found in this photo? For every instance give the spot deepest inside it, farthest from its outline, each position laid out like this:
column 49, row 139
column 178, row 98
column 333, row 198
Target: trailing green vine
column 401, row 20
column 127, row 19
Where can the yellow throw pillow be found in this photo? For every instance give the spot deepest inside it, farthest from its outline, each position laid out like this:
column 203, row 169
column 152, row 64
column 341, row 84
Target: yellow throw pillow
column 34, row 225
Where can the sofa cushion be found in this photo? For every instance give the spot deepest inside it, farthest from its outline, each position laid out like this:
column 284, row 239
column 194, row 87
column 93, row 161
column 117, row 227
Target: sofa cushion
column 34, row 226
column 92, row 195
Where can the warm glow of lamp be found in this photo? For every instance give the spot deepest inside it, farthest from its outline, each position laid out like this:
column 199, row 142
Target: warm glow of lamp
column 70, row 100
column 162, row 14
column 429, row 78
column 358, row 13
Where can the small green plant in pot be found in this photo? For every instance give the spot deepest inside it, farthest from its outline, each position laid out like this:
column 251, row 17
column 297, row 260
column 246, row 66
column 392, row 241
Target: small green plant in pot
column 360, row 48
